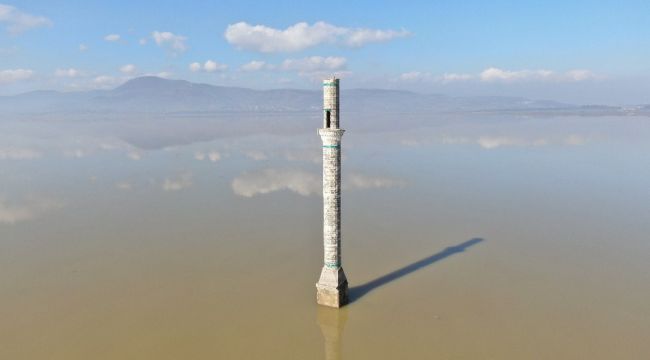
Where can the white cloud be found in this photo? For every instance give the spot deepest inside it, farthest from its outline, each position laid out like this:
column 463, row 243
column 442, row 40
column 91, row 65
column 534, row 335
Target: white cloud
column 143, row 41
column 314, row 64
column 30, row 209
column 451, row 77
column 128, row 69
column 13, row 153
column 161, row 74
column 105, row 81
column 415, row 76
column 13, row 75
column 361, row 37
column 301, row 182
column 212, row 66
column 302, row 35
column 17, row 21
column 256, row 65
column 112, row 37
column 175, row 43
column 183, row 181
column 83, row 47
column 208, row 66
column 579, row 75
column 499, row 75
column 71, row 73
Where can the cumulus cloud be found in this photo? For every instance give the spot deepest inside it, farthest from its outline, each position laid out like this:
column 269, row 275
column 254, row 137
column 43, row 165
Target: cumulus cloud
column 302, row 35
column 256, row 65
column 70, row 73
column 451, row 77
column 314, row 64
column 174, row 43
column 361, row 37
column 417, row 76
column 13, row 153
column 128, row 69
column 17, row 21
column 11, row 213
column 13, row 75
column 181, row 182
column 499, row 75
column 212, row 66
column 302, row 182
column 83, row 47
column 208, row 66
column 112, row 37
column 195, row 66
column 579, row 75
column 105, row 81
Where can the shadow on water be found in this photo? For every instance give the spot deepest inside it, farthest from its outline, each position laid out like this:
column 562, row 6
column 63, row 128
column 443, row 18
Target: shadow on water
column 357, row 292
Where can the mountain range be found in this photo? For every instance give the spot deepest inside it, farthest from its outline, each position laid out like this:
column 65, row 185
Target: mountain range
column 154, row 95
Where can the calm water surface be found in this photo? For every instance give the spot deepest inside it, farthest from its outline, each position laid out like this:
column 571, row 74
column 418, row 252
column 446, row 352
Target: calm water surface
column 482, row 238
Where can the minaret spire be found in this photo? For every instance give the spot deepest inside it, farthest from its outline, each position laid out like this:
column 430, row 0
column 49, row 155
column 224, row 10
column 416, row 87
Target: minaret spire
column 332, row 287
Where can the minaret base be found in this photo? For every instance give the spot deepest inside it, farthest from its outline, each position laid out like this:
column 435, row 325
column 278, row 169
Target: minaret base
column 332, row 288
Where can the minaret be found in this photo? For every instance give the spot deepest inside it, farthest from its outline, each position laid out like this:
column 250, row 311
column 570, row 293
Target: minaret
column 332, row 287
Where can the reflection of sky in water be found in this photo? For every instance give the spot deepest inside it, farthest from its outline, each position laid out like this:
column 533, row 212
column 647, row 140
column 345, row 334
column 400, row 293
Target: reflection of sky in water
column 109, row 235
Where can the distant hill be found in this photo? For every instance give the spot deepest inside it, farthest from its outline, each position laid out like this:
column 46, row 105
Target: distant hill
column 154, row 95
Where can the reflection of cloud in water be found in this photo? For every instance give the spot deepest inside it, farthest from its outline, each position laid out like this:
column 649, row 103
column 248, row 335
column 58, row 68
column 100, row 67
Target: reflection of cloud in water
column 29, row 209
column 213, row 156
column 75, row 153
column 493, row 142
column 13, row 153
column 134, row 155
column 489, row 142
column 269, row 180
column 124, row 185
column 302, row 182
column 256, row 155
column 360, row 181
column 307, row 155
column 181, row 182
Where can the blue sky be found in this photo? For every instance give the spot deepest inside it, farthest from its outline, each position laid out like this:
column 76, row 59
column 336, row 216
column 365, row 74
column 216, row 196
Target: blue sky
column 580, row 51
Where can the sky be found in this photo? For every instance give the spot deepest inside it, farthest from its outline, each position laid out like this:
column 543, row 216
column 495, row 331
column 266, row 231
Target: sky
column 573, row 51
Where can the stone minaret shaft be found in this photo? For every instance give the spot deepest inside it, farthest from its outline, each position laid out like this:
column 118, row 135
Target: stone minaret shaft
column 332, row 287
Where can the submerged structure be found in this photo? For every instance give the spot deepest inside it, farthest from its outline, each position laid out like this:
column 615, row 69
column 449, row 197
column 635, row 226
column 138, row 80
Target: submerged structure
column 332, row 286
